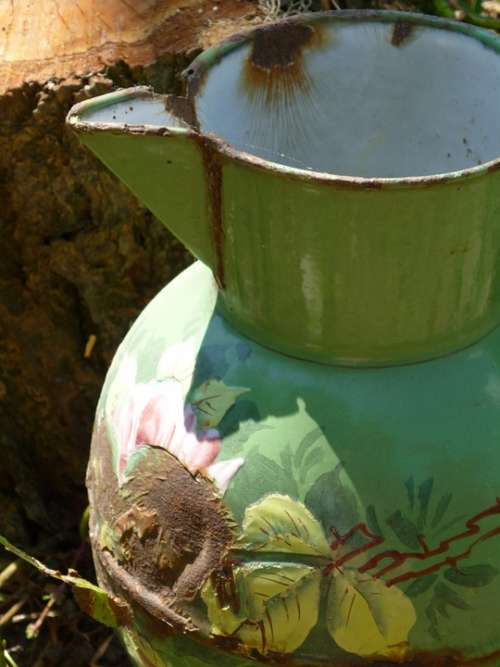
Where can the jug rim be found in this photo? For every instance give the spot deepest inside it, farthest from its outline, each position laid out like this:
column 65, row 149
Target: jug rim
column 197, row 70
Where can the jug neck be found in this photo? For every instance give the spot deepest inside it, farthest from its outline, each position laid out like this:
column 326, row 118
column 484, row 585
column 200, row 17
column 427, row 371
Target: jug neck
column 362, row 277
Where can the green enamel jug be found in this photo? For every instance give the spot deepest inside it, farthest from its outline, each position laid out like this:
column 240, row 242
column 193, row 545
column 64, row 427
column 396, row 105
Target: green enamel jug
column 296, row 455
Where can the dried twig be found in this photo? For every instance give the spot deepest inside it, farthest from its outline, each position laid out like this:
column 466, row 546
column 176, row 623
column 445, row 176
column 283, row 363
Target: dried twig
column 101, row 650
column 10, row 613
column 8, row 572
column 33, row 629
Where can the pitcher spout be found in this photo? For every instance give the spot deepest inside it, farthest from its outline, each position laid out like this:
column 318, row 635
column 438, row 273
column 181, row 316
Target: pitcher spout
column 151, row 142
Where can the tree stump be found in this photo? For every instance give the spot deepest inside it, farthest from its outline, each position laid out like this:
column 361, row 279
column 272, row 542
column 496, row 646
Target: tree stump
column 80, row 256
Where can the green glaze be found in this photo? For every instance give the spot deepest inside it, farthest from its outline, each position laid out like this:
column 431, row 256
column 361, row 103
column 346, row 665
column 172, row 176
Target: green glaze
column 351, row 270
column 374, row 277
column 251, row 505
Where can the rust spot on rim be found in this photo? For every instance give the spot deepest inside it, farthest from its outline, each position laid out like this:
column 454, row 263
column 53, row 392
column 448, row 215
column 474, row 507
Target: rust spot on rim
column 280, row 45
column 275, row 68
column 401, row 31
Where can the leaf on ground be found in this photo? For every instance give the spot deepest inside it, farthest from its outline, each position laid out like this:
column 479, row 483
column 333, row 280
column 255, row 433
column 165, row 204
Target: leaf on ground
column 278, row 607
column 280, row 524
column 92, row 600
column 368, row 618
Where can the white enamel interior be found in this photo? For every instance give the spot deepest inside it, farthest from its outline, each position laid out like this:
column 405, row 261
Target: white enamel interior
column 428, row 106
column 141, row 110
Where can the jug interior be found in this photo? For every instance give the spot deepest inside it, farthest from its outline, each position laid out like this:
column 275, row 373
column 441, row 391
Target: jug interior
column 358, row 98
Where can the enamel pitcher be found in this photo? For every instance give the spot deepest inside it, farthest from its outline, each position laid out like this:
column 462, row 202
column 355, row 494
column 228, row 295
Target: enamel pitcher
column 296, row 456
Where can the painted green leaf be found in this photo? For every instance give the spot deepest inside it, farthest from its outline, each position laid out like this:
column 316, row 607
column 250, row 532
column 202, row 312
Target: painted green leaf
column 313, row 457
column 368, row 618
column 253, row 483
column 92, row 600
column 432, row 617
column 279, row 524
column 424, row 496
column 372, row 521
column 441, row 509
column 278, row 607
column 447, row 596
column 333, row 501
column 307, row 442
column 241, row 412
column 421, row 585
column 286, row 460
column 410, row 490
column 405, row 530
column 212, row 400
column 473, row 576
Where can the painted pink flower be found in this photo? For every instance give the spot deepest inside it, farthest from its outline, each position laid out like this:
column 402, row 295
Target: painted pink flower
column 155, row 413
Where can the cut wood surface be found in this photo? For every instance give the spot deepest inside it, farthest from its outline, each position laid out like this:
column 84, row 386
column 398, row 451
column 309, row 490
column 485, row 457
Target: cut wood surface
column 44, row 39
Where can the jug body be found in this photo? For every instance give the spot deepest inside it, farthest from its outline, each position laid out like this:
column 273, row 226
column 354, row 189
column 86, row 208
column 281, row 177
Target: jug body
column 253, row 508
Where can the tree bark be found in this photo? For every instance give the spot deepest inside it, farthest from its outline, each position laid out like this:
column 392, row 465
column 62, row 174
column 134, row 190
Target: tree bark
column 80, row 257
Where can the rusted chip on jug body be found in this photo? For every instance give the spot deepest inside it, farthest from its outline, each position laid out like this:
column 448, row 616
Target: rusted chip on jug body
column 175, row 532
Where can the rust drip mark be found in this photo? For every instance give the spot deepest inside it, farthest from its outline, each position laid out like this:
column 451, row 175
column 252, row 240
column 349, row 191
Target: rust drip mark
column 224, row 584
column 401, row 31
column 183, row 108
column 275, row 68
column 213, row 173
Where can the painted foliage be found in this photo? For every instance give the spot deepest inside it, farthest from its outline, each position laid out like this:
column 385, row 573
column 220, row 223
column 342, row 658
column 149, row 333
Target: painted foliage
column 158, row 413
column 309, row 558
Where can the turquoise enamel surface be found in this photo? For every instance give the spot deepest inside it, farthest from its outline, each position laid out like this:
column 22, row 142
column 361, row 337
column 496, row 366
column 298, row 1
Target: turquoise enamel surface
column 397, row 467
